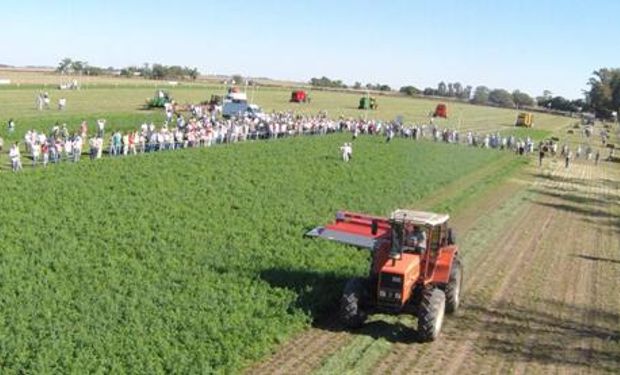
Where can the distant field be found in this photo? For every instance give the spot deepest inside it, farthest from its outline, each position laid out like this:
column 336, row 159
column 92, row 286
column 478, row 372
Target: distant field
column 120, row 100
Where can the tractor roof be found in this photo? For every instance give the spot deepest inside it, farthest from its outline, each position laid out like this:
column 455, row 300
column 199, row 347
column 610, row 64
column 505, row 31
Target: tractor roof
column 420, row 217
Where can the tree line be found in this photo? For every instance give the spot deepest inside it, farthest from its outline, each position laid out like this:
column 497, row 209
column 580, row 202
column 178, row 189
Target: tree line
column 154, row 71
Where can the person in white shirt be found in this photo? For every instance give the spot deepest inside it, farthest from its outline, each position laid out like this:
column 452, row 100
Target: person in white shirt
column 35, row 149
column 77, row 148
column 346, row 151
column 15, row 157
column 100, row 128
column 62, row 103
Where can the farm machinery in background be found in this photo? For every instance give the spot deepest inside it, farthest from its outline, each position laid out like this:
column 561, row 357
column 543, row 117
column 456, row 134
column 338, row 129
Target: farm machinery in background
column 368, row 102
column 525, row 119
column 235, row 104
column 441, row 111
column 159, row 100
column 299, row 96
column 403, row 277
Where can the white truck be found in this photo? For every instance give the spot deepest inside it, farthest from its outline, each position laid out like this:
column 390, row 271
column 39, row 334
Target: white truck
column 235, row 104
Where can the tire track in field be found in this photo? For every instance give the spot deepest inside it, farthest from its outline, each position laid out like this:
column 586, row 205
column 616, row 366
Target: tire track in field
column 543, row 280
column 304, row 352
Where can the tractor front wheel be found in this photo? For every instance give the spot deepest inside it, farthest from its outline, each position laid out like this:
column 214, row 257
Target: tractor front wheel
column 351, row 313
column 453, row 288
column 431, row 313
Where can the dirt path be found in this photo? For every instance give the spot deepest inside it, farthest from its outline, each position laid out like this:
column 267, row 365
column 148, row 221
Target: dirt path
column 542, row 265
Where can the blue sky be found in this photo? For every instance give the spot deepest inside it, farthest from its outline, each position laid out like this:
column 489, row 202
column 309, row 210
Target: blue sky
column 528, row 45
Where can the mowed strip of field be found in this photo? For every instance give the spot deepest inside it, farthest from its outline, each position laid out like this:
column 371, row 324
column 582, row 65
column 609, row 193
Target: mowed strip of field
column 540, row 296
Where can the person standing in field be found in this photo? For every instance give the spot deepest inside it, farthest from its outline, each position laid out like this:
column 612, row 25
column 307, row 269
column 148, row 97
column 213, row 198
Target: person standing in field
column 84, row 129
column 77, row 147
column 46, row 100
column 15, row 157
column 541, row 154
column 345, row 151
column 100, row 128
column 62, row 103
column 597, row 156
column 11, row 126
column 35, row 150
column 45, row 153
column 569, row 155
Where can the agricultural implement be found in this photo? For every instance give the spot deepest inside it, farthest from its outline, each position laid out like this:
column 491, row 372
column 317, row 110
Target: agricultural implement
column 525, row 119
column 406, row 275
column 367, row 102
column 159, row 100
column 299, row 96
column 441, row 111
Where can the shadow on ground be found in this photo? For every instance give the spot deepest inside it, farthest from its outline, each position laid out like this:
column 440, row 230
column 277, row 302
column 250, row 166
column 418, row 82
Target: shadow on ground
column 597, row 259
column 319, row 296
column 555, row 334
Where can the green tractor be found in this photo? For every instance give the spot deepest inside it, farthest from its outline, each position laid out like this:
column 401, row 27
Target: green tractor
column 367, row 102
column 159, row 100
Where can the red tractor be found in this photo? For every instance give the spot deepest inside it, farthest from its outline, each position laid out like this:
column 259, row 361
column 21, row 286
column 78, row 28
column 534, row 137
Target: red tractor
column 299, row 96
column 415, row 267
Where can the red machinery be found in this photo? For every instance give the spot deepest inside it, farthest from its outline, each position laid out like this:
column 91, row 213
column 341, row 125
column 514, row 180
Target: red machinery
column 299, row 96
column 441, row 111
column 422, row 277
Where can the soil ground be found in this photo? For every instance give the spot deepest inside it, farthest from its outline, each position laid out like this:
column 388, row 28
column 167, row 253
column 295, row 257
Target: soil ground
column 542, row 263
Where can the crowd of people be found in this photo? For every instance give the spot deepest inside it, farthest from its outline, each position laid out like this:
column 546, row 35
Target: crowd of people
column 204, row 128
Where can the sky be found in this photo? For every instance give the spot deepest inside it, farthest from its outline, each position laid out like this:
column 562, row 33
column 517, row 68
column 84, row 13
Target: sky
column 530, row 45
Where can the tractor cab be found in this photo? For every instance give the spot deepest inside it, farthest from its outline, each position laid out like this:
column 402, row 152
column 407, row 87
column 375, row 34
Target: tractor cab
column 417, row 231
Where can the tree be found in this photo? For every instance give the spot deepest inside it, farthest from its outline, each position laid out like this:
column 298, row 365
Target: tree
column 357, row 85
column 429, row 91
column 458, row 89
column 522, row 99
column 450, row 89
column 604, row 93
column 78, row 66
column 501, row 97
column 237, row 79
column 326, row 82
column 409, row 90
column 466, row 93
column 64, row 65
column 442, row 89
column 481, row 95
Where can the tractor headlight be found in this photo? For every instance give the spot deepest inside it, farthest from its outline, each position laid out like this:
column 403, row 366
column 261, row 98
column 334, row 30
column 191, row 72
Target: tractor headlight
column 382, row 293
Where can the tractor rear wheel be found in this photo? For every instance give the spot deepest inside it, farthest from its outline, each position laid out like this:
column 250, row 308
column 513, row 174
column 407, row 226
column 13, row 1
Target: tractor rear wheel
column 430, row 314
column 453, row 288
column 353, row 298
